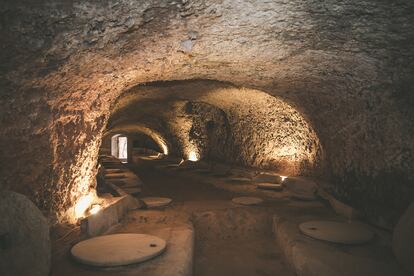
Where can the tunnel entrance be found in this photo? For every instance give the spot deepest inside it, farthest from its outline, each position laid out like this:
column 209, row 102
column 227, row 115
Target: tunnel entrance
column 119, row 147
column 210, row 121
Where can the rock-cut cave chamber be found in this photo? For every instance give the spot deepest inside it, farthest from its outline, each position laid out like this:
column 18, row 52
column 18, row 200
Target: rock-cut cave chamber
column 212, row 137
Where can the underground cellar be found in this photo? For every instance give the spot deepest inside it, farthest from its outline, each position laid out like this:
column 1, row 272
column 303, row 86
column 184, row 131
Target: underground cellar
column 207, row 137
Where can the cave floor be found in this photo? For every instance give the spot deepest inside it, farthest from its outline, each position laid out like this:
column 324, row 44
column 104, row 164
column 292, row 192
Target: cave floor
column 228, row 238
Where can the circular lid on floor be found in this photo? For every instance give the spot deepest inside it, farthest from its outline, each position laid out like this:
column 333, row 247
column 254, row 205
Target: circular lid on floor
column 109, row 171
column 247, row 200
column 118, row 249
column 239, row 179
column 151, row 157
column 153, row 202
column 337, row 232
column 270, row 186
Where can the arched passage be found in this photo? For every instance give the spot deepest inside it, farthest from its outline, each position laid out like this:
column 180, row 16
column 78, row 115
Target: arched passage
column 119, row 147
column 217, row 121
column 137, row 128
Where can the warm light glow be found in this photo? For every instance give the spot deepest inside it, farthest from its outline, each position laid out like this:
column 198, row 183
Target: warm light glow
column 95, row 209
column 283, row 177
column 83, row 204
column 150, row 132
column 193, row 156
column 163, row 146
column 122, row 147
column 83, row 171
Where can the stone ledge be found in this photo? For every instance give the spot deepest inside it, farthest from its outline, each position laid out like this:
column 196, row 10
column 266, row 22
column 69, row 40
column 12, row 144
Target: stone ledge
column 102, row 221
column 309, row 257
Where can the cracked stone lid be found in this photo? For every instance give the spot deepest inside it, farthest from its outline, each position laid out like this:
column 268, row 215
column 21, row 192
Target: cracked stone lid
column 337, row 232
column 118, row 249
column 153, row 202
column 247, row 200
column 270, row 186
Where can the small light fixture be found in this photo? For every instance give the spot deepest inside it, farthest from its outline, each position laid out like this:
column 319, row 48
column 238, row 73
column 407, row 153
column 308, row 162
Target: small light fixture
column 193, row 156
column 82, row 205
column 283, row 177
column 95, row 209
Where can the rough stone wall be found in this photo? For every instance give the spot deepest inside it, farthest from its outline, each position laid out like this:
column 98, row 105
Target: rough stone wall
column 217, row 121
column 181, row 123
column 140, row 140
column 26, row 246
column 210, row 131
column 347, row 66
column 268, row 133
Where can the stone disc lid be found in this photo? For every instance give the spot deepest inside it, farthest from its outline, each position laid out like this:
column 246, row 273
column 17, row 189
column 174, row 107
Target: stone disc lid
column 268, row 178
column 118, row 249
column 247, row 200
column 153, row 202
column 270, row 186
column 337, row 232
column 239, row 179
column 109, row 171
column 151, row 157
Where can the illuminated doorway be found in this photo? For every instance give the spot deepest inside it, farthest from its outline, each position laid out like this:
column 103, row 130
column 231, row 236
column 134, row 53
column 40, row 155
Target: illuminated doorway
column 119, row 147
